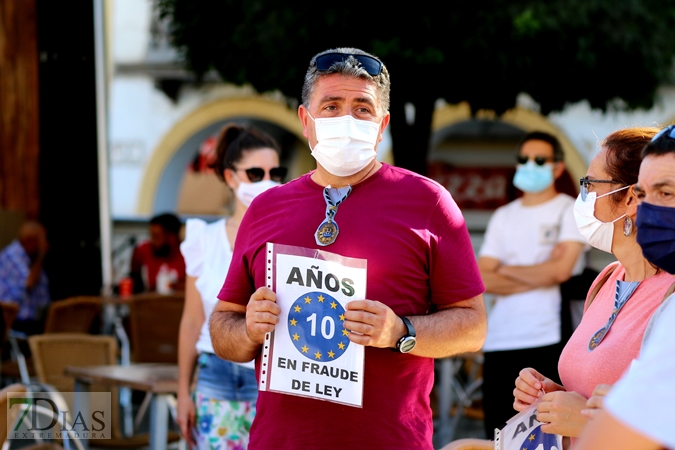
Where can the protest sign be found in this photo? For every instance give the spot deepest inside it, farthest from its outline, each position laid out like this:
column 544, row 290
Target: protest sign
column 523, row 432
column 309, row 353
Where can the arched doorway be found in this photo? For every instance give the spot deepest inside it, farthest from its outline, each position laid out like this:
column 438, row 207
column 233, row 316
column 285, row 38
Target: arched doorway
column 164, row 175
column 474, row 157
column 520, row 118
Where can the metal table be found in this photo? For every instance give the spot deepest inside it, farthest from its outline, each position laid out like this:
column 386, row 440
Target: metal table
column 158, row 379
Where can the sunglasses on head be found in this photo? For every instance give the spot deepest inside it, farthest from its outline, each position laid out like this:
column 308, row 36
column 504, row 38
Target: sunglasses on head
column 667, row 131
column 538, row 160
column 256, row 174
column 371, row 65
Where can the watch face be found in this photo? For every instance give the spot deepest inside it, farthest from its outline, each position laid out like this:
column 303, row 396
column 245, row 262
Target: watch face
column 408, row 344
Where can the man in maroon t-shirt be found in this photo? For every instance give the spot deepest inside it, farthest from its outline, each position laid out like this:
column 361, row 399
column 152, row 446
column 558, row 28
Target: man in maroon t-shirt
column 423, row 284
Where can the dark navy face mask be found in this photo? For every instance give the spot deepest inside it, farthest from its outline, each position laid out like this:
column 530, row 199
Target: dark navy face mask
column 656, row 235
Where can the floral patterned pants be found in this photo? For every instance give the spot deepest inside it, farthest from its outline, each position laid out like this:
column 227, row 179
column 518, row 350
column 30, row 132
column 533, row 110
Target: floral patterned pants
column 222, row 424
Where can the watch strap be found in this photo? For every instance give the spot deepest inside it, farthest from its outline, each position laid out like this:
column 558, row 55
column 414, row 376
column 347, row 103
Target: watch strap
column 408, row 324
column 405, row 339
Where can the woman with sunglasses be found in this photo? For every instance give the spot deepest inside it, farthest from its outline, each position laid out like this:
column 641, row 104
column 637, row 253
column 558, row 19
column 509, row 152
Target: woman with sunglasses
column 220, row 412
column 621, row 300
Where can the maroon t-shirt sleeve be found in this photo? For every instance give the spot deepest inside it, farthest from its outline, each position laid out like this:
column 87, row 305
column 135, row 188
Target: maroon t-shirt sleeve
column 453, row 271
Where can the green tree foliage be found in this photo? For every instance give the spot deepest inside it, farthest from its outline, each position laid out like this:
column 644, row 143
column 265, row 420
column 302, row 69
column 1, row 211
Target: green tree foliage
column 558, row 51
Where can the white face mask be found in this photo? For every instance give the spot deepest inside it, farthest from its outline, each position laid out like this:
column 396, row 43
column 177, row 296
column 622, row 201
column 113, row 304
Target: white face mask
column 246, row 192
column 599, row 234
column 345, row 145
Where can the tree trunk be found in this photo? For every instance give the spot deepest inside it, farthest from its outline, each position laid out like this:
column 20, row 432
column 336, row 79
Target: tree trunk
column 411, row 141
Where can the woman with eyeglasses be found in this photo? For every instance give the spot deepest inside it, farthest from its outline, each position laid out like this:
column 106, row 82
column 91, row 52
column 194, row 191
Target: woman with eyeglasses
column 220, row 411
column 621, row 300
column 634, row 418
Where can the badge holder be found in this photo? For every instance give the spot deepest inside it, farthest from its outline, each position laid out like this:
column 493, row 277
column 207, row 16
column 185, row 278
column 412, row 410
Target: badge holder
column 328, row 231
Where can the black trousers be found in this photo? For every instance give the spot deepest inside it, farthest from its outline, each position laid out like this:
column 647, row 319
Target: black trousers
column 500, row 370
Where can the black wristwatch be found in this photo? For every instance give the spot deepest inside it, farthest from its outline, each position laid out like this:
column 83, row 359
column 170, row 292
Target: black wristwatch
column 409, row 340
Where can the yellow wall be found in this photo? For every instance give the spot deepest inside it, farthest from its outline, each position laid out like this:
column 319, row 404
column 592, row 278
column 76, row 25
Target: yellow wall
column 254, row 107
column 522, row 118
column 279, row 114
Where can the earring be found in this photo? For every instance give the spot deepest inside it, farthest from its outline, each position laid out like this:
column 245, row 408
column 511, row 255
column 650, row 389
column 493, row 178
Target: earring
column 627, row 226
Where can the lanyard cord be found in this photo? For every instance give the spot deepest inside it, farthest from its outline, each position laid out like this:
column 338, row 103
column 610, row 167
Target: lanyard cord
column 328, row 231
column 621, row 297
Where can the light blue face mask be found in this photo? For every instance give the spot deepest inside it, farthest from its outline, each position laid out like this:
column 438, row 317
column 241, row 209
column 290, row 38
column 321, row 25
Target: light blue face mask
column 533, row 178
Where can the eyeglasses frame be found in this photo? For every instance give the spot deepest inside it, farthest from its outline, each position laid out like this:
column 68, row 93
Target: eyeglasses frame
column 585, row 181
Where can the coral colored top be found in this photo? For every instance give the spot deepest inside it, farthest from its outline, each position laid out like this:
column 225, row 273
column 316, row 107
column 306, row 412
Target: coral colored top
column 581, row 369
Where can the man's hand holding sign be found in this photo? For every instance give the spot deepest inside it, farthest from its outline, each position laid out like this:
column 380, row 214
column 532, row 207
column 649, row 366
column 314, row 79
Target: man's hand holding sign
column 373, row 323
column 262, row 314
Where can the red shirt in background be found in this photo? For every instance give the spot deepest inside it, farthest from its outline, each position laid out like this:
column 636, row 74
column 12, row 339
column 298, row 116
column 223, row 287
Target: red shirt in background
column 144, row 257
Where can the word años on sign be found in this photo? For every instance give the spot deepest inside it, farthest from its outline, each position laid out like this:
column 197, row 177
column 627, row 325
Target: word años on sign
column 319, row 369
column 329, row 391
column 523, row 426
column 330, row 281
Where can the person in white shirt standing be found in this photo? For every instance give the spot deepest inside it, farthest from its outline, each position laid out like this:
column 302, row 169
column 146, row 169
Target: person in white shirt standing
column 220, row 411
column 531, row 246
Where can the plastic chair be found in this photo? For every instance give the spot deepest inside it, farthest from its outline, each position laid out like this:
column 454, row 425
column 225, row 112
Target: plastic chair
column 153, row 324
column 54, row 352
column 154, row 320
column 470, row 444
column 73, row 315
column 18, row 367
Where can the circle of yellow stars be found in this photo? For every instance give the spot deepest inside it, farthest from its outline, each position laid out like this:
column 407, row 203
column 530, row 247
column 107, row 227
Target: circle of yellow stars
column 294, row 323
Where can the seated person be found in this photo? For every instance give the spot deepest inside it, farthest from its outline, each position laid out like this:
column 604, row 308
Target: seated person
column 158, row 265
column 22, row 279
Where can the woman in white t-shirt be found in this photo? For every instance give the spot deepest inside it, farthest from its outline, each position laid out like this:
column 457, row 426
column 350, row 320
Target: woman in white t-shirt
column 220, row 411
